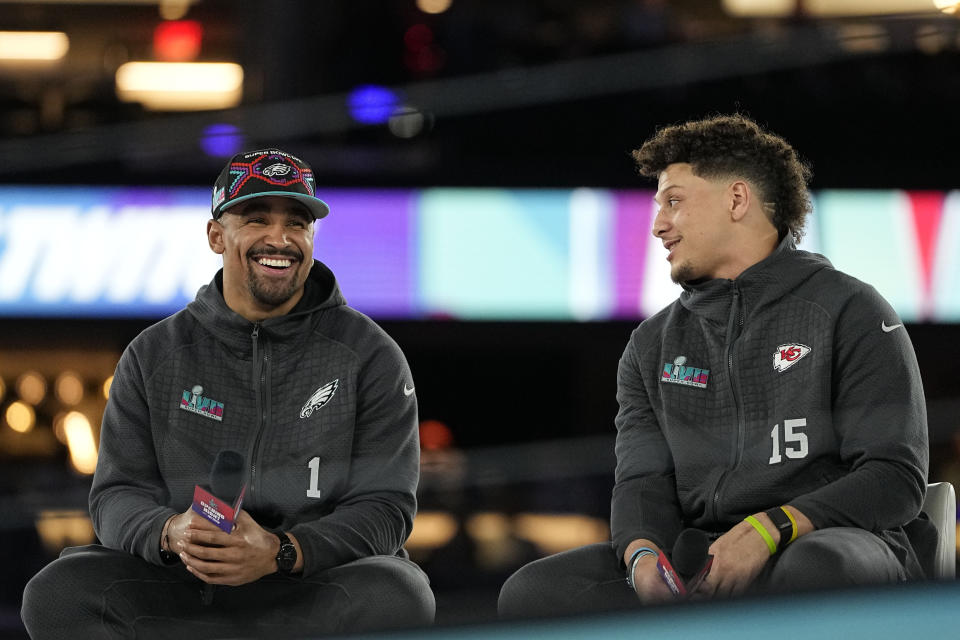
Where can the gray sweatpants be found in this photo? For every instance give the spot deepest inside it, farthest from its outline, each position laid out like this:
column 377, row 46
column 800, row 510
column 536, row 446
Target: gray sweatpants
column 93, row 592
column 592, row 578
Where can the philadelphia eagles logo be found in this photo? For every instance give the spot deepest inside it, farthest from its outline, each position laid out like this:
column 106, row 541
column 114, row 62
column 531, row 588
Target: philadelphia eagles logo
column 278, row 169
column 319, row 398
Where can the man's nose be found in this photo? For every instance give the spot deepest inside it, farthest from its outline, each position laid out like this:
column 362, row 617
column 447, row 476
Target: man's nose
column 660, row 224
column 277, row 234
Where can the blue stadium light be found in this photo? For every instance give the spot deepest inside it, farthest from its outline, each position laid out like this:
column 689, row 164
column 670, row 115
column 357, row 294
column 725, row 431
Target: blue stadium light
column 221, row 140
column 371, row 104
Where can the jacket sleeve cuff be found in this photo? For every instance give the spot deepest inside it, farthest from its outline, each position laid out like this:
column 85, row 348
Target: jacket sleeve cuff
column 318, row 553
column 154, row 553
column 623, row 541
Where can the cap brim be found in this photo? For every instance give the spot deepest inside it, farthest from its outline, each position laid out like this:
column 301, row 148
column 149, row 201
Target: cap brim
column 317, row 207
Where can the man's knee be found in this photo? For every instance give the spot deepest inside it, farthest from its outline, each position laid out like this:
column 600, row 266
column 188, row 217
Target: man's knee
column 808, row 564
column 37, row 593
column 386, row 592
column 54, row 599
column 575, row 581
column 833, row 558
column 79, row 595
column 525, row 593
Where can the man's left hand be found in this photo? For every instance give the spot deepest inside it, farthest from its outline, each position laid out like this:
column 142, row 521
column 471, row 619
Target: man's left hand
column 242, row 556
column 738, row 557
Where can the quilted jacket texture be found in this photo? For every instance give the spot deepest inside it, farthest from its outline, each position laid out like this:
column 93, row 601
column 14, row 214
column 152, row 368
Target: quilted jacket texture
column 320, row 402
column 792, row 384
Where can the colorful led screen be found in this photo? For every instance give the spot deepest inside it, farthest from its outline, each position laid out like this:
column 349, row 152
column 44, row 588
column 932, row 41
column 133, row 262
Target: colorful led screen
column 468, row 254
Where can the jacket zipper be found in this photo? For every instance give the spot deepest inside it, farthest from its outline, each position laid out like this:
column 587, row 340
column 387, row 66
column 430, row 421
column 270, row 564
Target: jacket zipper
column 735, row 328
column 258, row 376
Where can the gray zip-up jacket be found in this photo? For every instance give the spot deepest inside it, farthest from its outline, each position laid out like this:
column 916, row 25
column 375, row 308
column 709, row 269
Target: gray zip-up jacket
column 320, row 401
column 793, row 383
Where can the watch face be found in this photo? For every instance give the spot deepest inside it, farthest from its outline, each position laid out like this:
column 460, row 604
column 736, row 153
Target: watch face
column 287, row 557
column 783, row 524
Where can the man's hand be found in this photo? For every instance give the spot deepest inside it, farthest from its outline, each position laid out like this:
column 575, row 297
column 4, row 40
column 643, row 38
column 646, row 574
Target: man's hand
column 740, row 554
column 176, row 527
column 650, row 587
column 738, row 557
column 240, row 557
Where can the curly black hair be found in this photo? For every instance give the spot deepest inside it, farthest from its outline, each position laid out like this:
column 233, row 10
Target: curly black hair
column 734, row 145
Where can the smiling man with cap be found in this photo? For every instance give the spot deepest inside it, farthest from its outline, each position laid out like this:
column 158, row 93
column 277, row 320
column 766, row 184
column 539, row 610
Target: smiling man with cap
column 264, row 206
column 270, row 362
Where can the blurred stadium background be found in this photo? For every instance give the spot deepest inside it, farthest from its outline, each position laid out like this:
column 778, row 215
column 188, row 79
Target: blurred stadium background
column 475, row 154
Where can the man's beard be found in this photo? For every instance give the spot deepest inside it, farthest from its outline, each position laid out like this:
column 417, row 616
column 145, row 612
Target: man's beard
column 272, row 294
column 682, row 273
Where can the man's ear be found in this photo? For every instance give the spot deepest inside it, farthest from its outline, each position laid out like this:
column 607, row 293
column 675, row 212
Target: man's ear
column 215, row 236
column 739, row 198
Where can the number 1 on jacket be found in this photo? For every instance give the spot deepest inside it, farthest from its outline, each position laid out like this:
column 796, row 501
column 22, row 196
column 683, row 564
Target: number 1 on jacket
column 313, row 491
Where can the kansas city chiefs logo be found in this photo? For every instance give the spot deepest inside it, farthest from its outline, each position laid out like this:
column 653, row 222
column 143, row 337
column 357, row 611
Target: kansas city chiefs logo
column 788, row 355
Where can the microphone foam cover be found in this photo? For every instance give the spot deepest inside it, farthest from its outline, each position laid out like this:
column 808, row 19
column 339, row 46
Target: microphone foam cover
column 226, row 476
column 690, row 551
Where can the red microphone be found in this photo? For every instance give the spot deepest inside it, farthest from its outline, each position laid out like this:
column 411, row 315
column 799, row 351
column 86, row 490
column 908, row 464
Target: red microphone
column 221, row 501
column 691, row 562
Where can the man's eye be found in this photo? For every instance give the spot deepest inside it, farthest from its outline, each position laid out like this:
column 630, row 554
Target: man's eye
column 672, row 201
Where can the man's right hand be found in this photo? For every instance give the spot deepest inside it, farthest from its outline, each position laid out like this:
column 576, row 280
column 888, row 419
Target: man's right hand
column 650, row 587
column 177, row 526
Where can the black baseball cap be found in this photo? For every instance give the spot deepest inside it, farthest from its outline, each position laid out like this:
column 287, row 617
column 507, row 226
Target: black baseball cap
column 266, row 172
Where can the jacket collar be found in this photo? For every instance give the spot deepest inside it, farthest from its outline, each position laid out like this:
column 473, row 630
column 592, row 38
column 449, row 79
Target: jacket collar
column 209, row 308
column 759, row 285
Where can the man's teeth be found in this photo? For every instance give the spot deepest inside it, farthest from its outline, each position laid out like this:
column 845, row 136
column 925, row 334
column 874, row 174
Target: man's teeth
column 272, row 262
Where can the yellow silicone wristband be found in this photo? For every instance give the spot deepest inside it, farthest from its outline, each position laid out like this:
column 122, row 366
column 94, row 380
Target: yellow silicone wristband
column 771, row 545
column 793, row 535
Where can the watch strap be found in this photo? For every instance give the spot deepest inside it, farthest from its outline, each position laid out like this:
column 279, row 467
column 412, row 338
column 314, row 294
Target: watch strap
column 785, row 524
column 286, row 555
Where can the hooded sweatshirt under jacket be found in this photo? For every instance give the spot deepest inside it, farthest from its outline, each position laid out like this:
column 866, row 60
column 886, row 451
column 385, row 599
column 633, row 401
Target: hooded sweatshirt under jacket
column 792, row 384
column 320, row 402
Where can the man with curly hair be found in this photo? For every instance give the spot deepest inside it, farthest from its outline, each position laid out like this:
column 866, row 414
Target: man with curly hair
column 774, row 411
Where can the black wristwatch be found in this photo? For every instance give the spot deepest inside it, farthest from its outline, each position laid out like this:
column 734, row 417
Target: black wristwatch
column 287, row 556
column 784, row 525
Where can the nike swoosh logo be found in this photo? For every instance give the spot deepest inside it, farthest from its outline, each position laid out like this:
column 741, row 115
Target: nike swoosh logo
column 886, row 329
column 407, row 390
